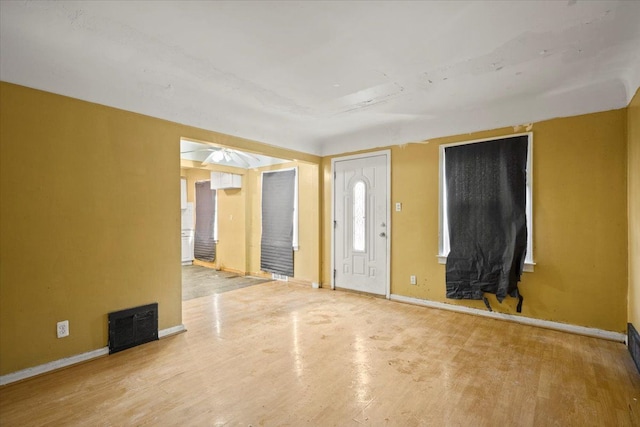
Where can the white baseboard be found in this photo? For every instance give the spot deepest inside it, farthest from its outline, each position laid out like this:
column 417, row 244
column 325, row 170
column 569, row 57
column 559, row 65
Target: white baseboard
column 52, row 366
column 564, row 327
column 171, row 331
column 72, row 360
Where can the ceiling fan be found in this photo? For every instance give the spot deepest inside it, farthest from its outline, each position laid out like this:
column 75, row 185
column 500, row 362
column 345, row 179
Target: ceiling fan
column 229, row 155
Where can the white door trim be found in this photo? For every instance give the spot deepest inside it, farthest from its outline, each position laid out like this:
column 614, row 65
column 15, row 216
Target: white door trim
column 386, row 153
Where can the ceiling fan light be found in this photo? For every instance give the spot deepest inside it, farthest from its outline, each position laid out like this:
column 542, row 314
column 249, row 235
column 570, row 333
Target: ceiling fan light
column 217, row 156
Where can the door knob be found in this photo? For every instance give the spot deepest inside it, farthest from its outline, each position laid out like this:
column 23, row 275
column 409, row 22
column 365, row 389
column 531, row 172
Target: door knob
column 383, row 234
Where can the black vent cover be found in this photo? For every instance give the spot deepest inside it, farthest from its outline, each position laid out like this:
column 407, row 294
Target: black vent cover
column 133, row 326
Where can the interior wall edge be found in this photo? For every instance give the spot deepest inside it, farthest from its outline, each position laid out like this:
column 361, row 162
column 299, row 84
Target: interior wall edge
column 633, row 209
column 200, row 134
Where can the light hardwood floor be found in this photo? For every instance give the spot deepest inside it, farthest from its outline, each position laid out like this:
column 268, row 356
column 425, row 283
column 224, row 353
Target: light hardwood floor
column 284, row 354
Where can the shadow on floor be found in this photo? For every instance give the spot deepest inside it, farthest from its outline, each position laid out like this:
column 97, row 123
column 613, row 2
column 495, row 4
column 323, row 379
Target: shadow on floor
column 200, row 281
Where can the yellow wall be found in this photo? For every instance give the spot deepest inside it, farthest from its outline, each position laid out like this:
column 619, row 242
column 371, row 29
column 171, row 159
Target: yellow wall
column 633, row 138
column 306, row 258
column 90, row 220
column 579, row 209
column 239, row 220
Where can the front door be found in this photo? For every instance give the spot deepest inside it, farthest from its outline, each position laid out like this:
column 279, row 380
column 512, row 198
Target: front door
column 361, row 223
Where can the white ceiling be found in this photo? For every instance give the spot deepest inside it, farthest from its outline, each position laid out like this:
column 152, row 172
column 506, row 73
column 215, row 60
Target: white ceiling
column 330, row 77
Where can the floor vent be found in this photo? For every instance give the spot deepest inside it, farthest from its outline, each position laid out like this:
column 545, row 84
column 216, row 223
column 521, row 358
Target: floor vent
column 133, row 326
column 633, row 342
column 279, row 277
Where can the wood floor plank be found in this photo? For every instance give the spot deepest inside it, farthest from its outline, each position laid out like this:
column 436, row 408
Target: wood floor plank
column 279, row 354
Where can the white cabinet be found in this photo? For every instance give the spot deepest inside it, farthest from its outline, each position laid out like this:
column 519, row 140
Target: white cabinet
column 183, row 193
column 186, row 217
column 223, row 180
column 187, row 247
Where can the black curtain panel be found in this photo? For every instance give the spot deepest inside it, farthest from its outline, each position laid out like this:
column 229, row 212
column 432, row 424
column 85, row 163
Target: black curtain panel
column 205, row 246
column 276, row 254
column 486, row 206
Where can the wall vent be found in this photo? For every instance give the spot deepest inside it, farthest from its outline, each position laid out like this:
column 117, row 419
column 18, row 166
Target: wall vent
column 133, row 326
column 633, row 343
column 279, row 277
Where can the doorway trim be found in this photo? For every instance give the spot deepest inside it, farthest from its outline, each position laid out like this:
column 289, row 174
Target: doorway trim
column 386, row 153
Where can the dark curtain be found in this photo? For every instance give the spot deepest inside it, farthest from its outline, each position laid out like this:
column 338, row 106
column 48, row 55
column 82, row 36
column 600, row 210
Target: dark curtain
column 276, row 255
column 486, row 205
column 205, row 246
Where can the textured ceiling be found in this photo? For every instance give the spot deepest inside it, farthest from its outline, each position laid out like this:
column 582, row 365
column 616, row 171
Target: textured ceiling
column 330, row 77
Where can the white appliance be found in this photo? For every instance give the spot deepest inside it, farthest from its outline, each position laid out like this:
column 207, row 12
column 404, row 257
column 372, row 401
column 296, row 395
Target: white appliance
column 187, row 247
column 183, row 193
column 187, row 217
column 187, row 234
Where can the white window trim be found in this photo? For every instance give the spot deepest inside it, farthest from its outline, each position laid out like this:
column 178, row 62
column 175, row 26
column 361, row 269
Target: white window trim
column 443, row 233
column 296, row 245
column 215, row 219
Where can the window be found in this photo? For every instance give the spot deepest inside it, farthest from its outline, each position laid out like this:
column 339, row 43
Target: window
column 484, row 195
column 359, row 216
column 444, row 243
column 279, row 221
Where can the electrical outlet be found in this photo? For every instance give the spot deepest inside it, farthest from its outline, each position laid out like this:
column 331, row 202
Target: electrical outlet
column 63, row 329
column 413, row 280
column 398, row 207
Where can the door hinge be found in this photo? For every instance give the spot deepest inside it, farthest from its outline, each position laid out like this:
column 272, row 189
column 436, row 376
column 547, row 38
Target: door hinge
column 334, row 175
column 335, row 224
column 334, row 274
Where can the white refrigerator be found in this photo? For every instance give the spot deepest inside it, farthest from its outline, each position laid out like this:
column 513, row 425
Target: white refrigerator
column 187, row 234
